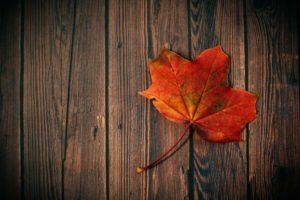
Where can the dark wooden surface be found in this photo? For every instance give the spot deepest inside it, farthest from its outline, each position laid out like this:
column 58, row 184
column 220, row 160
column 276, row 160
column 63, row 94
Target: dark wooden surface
column 220, row 171
column 74, row 127
column 10, row 101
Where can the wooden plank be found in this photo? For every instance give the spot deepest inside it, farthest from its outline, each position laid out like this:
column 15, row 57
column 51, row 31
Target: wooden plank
column 167, row 27
column 47, row 38
column 10, row 59
column 274, row 75
column 219, row 170
column 132, row 132
column 128, row 112
column 84, row 167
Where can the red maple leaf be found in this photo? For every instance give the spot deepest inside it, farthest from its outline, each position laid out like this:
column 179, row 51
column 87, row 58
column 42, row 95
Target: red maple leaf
column 197, row 93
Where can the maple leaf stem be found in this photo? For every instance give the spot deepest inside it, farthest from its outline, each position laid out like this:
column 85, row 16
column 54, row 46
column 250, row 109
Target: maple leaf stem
column 141, row 169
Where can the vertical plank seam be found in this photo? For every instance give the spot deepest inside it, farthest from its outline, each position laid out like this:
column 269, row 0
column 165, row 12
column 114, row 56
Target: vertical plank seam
column 247, row 87
column 106, row 98
column 22, row 99
column 68, row 101
column 148, row 137
column 191, row 166
column 189, row 29
column 149, row 30
column 298, row 30
column 190, row 175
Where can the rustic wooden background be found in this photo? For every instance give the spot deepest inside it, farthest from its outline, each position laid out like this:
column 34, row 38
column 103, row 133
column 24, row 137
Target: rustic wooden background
column 74, row 127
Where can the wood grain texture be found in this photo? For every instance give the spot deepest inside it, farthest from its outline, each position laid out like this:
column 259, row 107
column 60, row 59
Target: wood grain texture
column 10, row 59
column 219, row 171
column 84, row 167
column 47, row 38
column 274, row 75
column 167, row 27
column 129, row 127
column 72, row 125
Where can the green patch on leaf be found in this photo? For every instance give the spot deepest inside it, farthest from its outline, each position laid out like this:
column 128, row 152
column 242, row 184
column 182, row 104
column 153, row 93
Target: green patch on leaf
column 190, row 98
column 223, row 83
column 218, row 105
